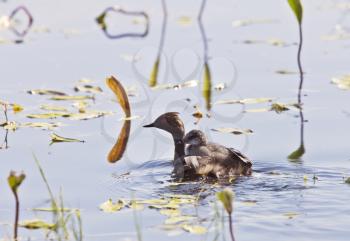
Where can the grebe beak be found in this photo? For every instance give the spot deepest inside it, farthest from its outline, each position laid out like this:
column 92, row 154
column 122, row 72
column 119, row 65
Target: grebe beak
column 149, row 125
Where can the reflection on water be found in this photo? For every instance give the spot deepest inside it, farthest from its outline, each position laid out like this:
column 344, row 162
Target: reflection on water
column 206, row 89
column 117, row 151
column 101, row 21
column 298, row 153
column 153, row 80
column 29, row 21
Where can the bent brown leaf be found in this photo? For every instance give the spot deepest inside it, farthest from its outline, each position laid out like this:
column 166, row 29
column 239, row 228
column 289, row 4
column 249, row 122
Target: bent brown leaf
column 121, row 94
column 119, row 147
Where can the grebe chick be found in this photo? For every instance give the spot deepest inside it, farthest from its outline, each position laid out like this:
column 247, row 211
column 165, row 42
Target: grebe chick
column 223, row 161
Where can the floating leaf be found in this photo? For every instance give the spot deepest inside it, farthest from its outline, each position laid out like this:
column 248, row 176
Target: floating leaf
column 84, row 80
column 184, row 21
column 297, row 9
column 81, row 105
column 245, row 101
column 53, row 108
column 242, row 23
column 110, row 207
column 233, row 131
column 186, row 84
column 207, row 86
column 170, row 205
column 50, row 115
column 257, row 110
column 71, row 97
column 17, row 108
column 285, row 71
column 15, row 180
column 279, row 108
column 154, row 74
column 295, row 155
column 136, row 206
column 195, row 229
column 88, row 89
column 170, row 212
column 153, row 201
column 342, row 82
column 45, row 92
column 37, row 224
column 178, row 219
column 226, row 198
column 56, row 138
column 276, row 42
column 182, row 201
column 10, row 125
column 87, row 115
column 42, row 125
column 291, row 215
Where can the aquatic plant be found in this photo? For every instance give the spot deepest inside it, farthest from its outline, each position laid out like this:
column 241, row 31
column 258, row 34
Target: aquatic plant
column 14, row 182
column 226, row 198
column 62, row 216
column 153, row 80
column 207, row 82
column 297, row 8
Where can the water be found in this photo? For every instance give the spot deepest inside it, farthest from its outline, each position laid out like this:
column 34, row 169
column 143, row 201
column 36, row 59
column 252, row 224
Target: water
column 280, row 201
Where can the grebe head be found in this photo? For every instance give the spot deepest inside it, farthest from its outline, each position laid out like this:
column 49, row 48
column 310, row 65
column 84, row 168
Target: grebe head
column 195, row 137
column 171, row 123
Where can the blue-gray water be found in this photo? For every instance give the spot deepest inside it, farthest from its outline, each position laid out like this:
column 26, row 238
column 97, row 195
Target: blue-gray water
column 74, row 47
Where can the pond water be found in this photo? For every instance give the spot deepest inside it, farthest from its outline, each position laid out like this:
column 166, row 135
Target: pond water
column 284, row 199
